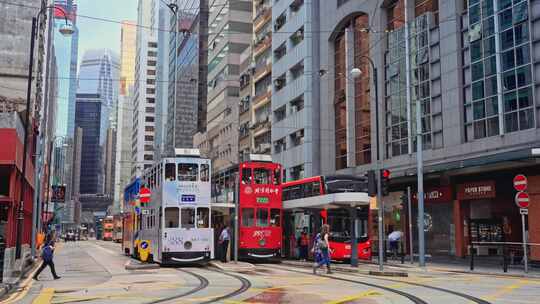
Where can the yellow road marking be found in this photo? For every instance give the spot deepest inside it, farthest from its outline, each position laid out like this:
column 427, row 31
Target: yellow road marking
column 506, row 290
column 355, row 297
column 45, row 296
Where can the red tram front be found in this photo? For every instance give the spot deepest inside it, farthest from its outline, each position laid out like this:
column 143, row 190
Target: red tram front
column 260, row 209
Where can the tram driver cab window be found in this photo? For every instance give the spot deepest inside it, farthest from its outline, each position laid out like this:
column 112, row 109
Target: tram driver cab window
column 188, row 172
column 262, row 176
column 187, row 217
column 248, row 216
column 170, row 172
column 275, row 217
column 262, row 217
column 203, row 216
column 246, row 176
column 171, row 217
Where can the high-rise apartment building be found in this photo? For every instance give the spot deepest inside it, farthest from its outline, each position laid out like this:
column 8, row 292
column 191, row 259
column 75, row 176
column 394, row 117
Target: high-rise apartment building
column 295, row 98
column 187, row 90
column 97, row 96
column 229, row 35
column 244, row 106
column 144, row 92
column 124, row 131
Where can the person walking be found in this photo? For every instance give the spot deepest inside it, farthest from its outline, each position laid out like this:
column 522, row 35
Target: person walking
column 47, row 254
column 224, row 239
column 303, row 243
column 322, row 248
column 394, row 238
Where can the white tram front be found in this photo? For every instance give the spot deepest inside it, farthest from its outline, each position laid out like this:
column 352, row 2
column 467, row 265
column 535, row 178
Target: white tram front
column 175, row 224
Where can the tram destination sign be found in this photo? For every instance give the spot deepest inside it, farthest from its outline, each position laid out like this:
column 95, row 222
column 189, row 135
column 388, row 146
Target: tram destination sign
column 262, row 200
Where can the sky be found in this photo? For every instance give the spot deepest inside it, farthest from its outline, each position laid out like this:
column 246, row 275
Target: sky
column 95, row 34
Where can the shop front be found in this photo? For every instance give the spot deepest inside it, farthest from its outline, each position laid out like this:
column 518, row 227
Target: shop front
column 439, row 230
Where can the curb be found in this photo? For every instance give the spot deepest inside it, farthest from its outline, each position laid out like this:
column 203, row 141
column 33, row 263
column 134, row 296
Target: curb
column 6, row 288
column 132, row 265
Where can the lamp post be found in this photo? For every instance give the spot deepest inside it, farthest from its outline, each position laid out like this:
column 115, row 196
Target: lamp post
column 378, row 165
column 65, row 30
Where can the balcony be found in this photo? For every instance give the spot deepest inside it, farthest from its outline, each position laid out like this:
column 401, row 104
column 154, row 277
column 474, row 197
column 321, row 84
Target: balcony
column 263, row 16
column 262, row 71
column 262, row 45
column 261, row 126
column 262, row 97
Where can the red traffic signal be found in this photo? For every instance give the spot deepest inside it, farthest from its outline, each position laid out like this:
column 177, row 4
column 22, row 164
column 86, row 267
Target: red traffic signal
column 385, row 173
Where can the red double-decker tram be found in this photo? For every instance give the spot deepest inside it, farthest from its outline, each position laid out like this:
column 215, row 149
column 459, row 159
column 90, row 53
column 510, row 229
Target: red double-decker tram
column 260, row 209
column 339, row 219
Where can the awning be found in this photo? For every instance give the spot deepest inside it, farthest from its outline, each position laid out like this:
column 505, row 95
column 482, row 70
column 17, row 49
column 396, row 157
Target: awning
column 334, row 200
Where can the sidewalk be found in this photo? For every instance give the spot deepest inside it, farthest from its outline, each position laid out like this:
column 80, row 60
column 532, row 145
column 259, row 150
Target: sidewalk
column 440, row 266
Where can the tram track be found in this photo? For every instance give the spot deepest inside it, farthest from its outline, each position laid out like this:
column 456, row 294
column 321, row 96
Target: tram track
column 203, row 283
column 246, row 284
column 443, row 290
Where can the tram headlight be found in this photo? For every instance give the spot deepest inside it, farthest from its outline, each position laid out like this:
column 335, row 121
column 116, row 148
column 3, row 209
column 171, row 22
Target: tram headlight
column 188, row 245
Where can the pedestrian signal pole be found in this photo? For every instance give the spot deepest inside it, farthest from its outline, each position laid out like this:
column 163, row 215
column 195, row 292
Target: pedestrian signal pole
column 236, row 218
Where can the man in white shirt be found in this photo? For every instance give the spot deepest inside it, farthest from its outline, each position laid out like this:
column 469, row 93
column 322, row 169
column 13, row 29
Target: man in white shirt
column 394, row 238
column 224, row 239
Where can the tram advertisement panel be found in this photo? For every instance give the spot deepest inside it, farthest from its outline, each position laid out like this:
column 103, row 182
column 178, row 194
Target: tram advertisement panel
column 196, row 240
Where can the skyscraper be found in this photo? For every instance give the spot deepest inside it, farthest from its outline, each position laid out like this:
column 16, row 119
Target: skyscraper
column 124, row 112
column 144, row 93
column 96, row 97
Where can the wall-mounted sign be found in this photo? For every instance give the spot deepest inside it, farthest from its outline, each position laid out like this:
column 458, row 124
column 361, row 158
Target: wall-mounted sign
column 436, row 195
column 476, row 190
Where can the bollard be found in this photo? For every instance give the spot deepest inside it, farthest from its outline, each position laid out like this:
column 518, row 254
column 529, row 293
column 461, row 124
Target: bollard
column 472, row 257
column 505, row 261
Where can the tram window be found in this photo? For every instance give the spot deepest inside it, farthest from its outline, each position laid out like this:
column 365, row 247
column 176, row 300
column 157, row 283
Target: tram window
column 203, row 215
column 275, row 217
column 246, row 176
column 248, row 217
column 262, row 176
column 188, row 217
column 188, row 172
column 277, row 177
column 262, row 217
column 171, row 217
column 170, row 172
column 205, row 172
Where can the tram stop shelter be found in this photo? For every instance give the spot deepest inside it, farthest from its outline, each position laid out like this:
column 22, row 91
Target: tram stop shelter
column 311, row 206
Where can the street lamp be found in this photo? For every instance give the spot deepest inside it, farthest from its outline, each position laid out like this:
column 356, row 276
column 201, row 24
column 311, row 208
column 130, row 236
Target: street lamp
column 356, row 72
column 64, row 30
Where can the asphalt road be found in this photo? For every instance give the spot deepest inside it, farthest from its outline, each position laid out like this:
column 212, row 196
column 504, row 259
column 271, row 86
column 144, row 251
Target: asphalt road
column 94, row 272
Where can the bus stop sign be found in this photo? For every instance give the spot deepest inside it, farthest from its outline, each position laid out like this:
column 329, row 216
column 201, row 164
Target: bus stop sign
column 522, row 199
column 144, row 195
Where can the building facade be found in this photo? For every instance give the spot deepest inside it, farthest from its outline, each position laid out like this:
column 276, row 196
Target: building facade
column 472, row 69
column 228, row 36
column 162, row 80
column 124, row 113
column 295, row 69
column 144, row 91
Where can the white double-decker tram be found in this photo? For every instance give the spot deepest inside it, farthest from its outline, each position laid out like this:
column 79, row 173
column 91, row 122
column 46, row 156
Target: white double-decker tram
column 176, row 225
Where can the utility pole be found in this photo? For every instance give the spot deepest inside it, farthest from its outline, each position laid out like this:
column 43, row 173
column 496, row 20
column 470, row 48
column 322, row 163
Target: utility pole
column 236, row 218
column 420, row 195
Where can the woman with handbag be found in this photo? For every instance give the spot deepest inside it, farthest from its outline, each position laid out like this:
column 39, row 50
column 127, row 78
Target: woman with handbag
column 322, row 250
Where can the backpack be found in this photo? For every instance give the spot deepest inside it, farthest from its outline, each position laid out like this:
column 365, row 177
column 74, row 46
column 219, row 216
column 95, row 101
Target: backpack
column 47, row 253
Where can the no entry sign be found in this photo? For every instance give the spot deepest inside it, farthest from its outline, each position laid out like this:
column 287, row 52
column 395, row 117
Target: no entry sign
column 144, row 195
column 522, row 200
column 520, row 182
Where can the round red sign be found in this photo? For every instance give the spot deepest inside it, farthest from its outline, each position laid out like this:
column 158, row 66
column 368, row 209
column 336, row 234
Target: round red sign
column 144, row 195
column 522, row 199
column 520, row 182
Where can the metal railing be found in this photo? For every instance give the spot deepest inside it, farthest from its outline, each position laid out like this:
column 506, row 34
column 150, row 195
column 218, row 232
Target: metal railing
column 509, row 253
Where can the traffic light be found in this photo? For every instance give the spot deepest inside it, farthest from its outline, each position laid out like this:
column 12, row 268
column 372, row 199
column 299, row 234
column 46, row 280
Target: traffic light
column 372, row 183
column 385, row 181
